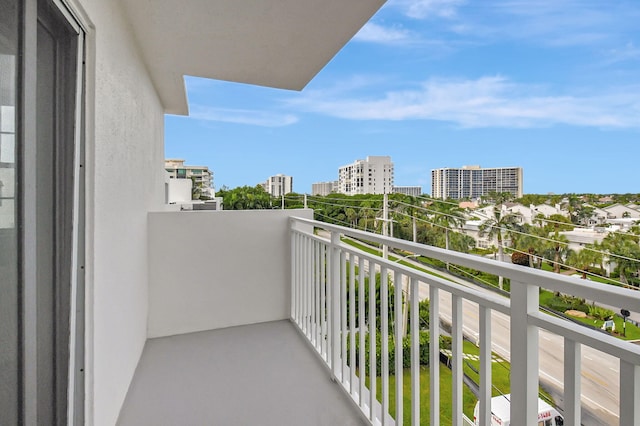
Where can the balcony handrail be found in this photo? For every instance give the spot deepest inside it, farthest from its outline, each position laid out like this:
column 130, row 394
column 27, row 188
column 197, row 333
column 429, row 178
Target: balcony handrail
column 603, row 342
column 603, row 293
column 323, row 275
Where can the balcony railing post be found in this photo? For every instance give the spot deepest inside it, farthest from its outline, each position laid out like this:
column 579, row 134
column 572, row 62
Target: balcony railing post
column 524, row 355
column 629, row 394
column 335, row 305
column 572, row 384
column 294, row 272
column 456, row 367
column 484, row 415
column 434, row 354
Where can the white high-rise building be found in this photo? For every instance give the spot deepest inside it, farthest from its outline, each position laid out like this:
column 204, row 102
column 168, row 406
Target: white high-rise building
column 474, row 182
column 278, row 185
column 324, row 188
column 371, row 176
column 414, row 191
column 201, row 176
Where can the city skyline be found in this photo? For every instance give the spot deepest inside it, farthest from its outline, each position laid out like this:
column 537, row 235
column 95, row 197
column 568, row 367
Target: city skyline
column 548, row 87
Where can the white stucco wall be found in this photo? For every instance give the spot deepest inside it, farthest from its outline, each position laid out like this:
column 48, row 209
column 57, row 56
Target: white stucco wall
column 125, row 180
column 180, row 190
column 218, row 269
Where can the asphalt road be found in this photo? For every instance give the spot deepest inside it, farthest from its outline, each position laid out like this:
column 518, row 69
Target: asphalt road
column 600, row 372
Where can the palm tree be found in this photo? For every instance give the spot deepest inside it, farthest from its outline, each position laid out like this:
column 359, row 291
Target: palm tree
column 628, row 252
column 560, row 243
column 448, row 216
column 497, row 226
column 498, row 198
column 408, row 206
column 531, row 242
column 583, row 259
column 352, row 216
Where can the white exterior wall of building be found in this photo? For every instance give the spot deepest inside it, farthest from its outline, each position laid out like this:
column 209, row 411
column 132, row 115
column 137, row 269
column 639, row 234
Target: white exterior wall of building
column 580, row 237
column 185, row 296
column 414, row 191
column 324, row 188
column 618, row 211
column 201, row 174
column 125, row 139
column 529, row 214
column 127, row 89
column 180, row 190
column 278, row 185
column 371, row 176
column 474, row 182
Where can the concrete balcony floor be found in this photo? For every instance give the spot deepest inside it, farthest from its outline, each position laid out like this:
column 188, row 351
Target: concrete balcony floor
column 262, row 374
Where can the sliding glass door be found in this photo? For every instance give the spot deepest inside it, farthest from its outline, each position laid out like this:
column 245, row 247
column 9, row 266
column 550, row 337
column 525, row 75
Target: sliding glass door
column 40, row 72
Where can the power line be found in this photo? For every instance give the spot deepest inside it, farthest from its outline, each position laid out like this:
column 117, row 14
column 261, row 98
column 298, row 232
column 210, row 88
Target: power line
column 575, row 268
column 506, row 230
column 347, row 206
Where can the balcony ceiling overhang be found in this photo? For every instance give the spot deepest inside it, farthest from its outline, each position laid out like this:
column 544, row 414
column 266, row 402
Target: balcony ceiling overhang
column 273, row 43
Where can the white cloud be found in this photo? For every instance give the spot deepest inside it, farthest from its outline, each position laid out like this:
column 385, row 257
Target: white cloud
column 241, row 116
column 422, row 9
column 486, row 102
column 375, row 33
column 628, row 52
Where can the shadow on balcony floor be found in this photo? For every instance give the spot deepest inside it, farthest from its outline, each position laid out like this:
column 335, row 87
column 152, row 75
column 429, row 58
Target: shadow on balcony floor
column 262, row 374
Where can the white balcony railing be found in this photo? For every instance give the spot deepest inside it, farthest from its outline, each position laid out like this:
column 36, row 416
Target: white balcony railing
column 327, row 275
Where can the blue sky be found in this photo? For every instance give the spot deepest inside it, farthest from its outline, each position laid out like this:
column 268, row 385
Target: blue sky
column 551, row 86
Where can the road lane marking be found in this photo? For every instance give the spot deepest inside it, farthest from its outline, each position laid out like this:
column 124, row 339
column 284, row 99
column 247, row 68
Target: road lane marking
column 558, row 382
column 586, row 357
column 594, row 379
column 591, row 401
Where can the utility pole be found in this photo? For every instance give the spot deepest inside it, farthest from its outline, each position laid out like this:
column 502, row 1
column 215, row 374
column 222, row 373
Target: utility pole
column 305, row 201
column 385, row 222
column 283, row 201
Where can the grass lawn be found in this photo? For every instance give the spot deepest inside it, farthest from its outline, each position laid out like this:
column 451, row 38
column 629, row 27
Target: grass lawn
column 545, row 296
column 377, row 252
column 500, row 376
column 603, row 280
column 500, row 370
column 469, row 400
column 362, row 247
column 633, row 332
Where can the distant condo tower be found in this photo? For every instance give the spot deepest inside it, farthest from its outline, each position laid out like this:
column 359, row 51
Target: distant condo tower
column 324, row 188
column 474, row 182
column 201, row 176
column 278, row 185
column 371, row 176
column 414, row 191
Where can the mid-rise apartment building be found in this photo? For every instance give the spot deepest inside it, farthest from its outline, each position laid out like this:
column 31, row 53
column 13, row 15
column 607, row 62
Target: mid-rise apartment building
column 201, row 175
column 278, row 185
column 324, row 188
column 413, row 191
column 371, row 176
column 474, row 182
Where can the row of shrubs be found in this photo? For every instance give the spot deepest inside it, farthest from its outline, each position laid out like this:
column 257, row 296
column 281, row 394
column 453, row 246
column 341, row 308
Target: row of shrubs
column 565, row 303
column 445, row 343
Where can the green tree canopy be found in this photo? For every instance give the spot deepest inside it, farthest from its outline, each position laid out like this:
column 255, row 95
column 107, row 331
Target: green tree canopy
column 245, row 198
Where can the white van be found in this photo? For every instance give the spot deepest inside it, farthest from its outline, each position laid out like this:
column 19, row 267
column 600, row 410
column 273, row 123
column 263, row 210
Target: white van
column 501, row 414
